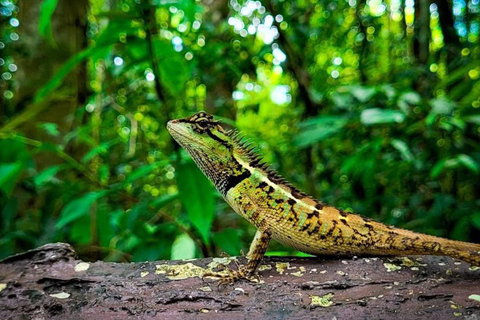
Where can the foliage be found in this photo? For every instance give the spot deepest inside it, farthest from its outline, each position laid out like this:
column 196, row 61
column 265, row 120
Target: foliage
column 346, row 99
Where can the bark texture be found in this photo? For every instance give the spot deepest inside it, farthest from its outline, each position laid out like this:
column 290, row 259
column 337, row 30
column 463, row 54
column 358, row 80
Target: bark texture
column 49, row 283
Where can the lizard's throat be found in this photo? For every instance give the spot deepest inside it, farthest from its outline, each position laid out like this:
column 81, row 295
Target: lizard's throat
column 224, row 175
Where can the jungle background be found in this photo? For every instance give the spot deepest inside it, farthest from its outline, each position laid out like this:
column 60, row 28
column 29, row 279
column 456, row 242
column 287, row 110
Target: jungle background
column 369, row 105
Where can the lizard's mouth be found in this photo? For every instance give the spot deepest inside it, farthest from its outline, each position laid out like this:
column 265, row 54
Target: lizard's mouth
column 182, row 136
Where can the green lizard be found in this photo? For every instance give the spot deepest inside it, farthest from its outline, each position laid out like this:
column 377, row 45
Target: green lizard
column 279, row 211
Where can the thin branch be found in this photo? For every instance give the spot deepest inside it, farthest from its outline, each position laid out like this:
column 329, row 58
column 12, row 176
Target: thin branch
column 132, row 143
column 294, row 65
column 61, row 154
column 150, row 28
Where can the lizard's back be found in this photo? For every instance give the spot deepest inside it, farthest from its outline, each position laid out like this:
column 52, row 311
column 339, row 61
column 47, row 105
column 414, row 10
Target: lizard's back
column 298, row 221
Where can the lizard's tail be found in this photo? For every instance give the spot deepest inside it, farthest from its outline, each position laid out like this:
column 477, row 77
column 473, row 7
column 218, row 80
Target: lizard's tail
column 468, row 252
column 415, row 242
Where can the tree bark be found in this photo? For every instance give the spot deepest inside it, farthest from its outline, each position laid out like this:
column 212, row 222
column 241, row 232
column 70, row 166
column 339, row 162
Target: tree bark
column 48, row 282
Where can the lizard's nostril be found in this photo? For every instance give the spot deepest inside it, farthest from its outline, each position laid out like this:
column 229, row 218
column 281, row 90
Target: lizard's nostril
column 171, row 123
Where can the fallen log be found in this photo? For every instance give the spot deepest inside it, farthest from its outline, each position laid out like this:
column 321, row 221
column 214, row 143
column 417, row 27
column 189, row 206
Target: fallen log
column 49, row 283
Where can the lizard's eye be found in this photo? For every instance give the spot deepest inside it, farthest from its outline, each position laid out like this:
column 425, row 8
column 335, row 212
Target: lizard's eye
column 203, row 124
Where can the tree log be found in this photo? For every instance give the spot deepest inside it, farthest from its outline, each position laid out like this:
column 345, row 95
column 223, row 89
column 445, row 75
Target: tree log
column 49, row 283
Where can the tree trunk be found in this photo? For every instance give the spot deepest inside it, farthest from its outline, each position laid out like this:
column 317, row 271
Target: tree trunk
column 48, row 282
column 421, row 44
column 38, row 61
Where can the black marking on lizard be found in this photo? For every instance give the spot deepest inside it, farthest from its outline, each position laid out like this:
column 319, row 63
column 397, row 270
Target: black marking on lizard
column 233, row 180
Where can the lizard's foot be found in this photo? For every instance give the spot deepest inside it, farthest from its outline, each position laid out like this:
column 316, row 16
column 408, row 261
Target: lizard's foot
column 233, row 275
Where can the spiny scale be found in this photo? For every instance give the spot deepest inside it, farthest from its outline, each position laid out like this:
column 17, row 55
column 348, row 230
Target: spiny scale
column 280, row 211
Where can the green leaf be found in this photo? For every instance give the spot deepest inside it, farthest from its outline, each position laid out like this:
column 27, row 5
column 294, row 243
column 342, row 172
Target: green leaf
column 9, row 174
column 46, row 175
column 99, row 150
column 197, row 197
column 47, row 8
column 377, row 116
column 78, row 208
column 469, row 163
column 403, row 148
column 68, row 66
column 476, row 220
column 318, row 129
column 12, row 151
column 438, row 168
column 144, row 170
column 105, row 228
column 452, row 163
column 412, row 98
column 183, row 248
column 473, row 119
column 475, row 297
column 459, row 231
column 408, row 99
column 362, row 94
column 50, row 128
column 7, row 216
column 116, row 28
column 442, row 106
column 164, row 199
column 80, row 231
column 174, row 69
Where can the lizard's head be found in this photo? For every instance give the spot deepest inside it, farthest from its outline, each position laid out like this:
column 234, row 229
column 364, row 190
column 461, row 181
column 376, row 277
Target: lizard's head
column 205, row 140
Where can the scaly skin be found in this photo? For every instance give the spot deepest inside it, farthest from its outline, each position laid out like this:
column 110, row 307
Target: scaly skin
column 279, row 211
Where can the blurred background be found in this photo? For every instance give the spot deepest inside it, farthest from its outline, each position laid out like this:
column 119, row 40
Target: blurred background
column 369, row 105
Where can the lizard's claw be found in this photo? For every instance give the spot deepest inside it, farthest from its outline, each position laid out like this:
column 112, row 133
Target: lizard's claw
column 232, row 276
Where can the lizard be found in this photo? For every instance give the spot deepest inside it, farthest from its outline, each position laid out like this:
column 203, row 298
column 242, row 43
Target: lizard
column 280, row 211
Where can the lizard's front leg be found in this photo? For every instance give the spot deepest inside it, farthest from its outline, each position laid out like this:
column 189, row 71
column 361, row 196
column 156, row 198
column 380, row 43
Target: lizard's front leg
column 255, row 255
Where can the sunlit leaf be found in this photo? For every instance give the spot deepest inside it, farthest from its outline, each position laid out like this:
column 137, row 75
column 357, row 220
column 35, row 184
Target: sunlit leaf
column 363, row 94
column 469, row 163
column 403, row 148
column 411, row 97
column 9, row 174
column 187, row 6
column 47, row 8
column 455, row 162
column 197, row 197
column 50, row 128
column 183, row 248
column 438, row 168
column 408, row 99
column 115, row 29
column 442, row 106
column 377, row 116
column 318, row 129
column 473, row 119
column 78, row 208
column 46, row 175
